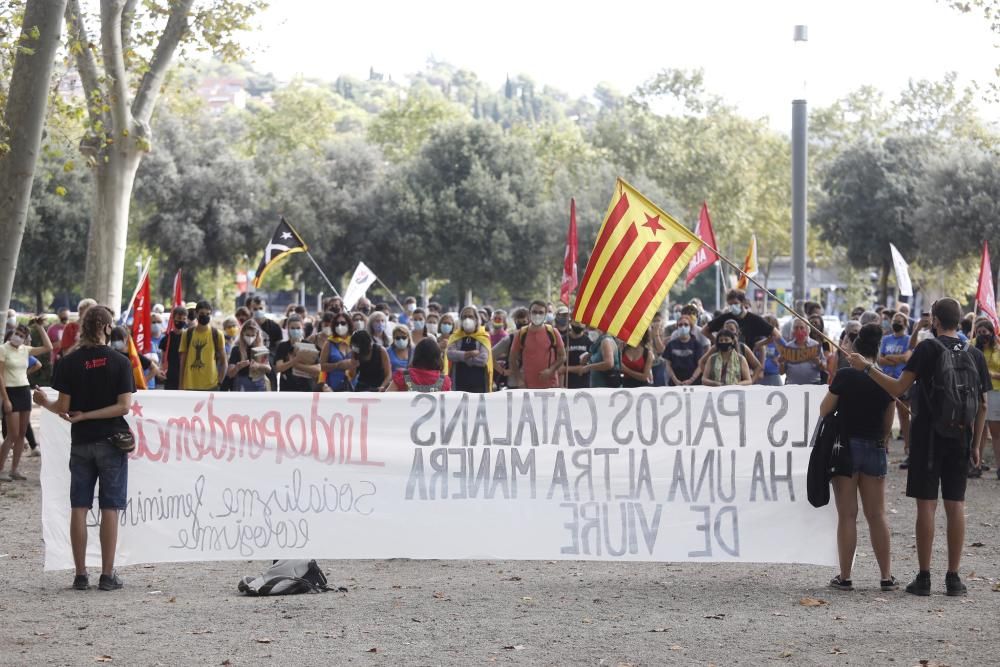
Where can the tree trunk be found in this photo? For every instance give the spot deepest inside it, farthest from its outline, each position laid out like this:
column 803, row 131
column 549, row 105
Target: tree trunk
column 884, row 284
column 25, row 116
column 113, row 182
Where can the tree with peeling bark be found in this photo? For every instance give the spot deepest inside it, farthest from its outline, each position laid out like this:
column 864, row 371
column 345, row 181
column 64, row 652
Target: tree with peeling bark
column 24, row 104
column 137, row 44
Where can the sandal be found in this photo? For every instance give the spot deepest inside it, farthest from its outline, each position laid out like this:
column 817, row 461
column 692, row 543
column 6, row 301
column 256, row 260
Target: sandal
column 841, row 584
column 889, row 584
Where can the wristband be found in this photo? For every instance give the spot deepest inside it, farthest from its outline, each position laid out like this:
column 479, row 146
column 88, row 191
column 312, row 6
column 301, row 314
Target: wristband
column 868, row 369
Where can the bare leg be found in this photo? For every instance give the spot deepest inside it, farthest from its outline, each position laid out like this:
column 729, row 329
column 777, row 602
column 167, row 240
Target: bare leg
column 873, row 501
column 845, row 493
column 955, row 512
column 78, row 538
column 18, row 426
column 925, row 532
column 8, row 440
column 109, row 540
column 904, row 424
column 995, row 436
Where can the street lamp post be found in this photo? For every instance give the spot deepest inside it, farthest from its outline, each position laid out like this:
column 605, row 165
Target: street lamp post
column 799, row 162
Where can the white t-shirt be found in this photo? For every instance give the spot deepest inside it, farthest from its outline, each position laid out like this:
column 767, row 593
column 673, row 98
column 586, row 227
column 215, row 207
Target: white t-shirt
column 15, row 364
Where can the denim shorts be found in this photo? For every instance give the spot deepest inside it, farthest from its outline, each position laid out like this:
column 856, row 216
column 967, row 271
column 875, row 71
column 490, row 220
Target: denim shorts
column 869, row 457
column 95, row 461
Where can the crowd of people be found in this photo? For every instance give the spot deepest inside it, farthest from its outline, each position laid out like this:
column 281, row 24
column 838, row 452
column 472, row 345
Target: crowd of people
column 872, row 372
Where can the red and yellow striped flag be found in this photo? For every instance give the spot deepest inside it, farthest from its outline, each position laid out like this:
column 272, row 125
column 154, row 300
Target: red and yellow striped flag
column 639, row 253
column 133, row 357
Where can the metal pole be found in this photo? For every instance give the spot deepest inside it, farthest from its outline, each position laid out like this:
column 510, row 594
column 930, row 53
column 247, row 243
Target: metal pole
column 799, row 163
column 335, row 292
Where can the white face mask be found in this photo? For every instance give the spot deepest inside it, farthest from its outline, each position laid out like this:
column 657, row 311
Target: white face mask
column 118, row 345
column 736, row 309
column 417, row 324
column 249, row 340
column 593, row 336
column 468, row 325
column 327, row 331
column 401, row 343
column 359, row 325
column 295, row 334
column 537, row 319
column 16, row 340
column 341, row 329
column 410, row 307
column 432, row 329
column 684, row 330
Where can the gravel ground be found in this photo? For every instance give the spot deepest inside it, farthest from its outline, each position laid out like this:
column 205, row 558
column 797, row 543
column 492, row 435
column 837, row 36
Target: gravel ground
column 403, row 612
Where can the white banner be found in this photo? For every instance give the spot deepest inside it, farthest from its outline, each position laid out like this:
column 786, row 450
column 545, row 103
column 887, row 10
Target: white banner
column 902, row 272
column 685, row 474
column 360, row 282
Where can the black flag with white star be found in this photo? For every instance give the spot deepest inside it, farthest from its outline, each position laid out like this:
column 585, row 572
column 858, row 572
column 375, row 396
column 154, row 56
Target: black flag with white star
column 284, row 242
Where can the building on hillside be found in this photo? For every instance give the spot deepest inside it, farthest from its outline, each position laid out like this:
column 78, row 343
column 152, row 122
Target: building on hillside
column 223, row 93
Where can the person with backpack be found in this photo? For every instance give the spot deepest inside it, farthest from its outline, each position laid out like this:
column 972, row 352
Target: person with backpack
column 603, row 361
column 202, row 353
column 864, row 412
column 949, row 411
column 424, row 373
column 537, row 351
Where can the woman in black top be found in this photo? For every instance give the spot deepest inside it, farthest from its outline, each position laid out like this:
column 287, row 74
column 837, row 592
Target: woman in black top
column 248, row 369
column 373, row 363
column 866, row 413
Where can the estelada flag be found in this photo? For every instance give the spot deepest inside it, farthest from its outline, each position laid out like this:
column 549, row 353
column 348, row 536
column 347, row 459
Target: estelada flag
column 133, row 357
column 284, row 242
column 569, row 279
column 750, row 267
column 639, row 253
column 142, row 316
column 705, row 257
column 985, row 294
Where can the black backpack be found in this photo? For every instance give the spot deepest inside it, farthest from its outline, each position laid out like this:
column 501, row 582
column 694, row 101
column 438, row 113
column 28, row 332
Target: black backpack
column 287, row 577
column 953, row 392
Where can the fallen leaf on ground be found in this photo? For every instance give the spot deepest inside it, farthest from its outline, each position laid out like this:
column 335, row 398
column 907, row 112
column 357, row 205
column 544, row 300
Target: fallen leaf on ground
column 103, row 658
column 996, row 587
column 812, row 602
column 264, row 640
column 173, row 598
column 836, row 651
column 977, row 544
column 373, row 649
column 154, row 593
column 778, row 613
column 514, row 647
column 226, row 663
column 785, row 654
column 439, row 595
column 676, row 647
column 513, row 579
column 587, row 620
column 527, row 598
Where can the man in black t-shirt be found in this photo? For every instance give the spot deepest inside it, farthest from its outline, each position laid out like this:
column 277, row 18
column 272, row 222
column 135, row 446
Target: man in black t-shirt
column 753, row 327
column 170, row 349
column 576, row 343
column 95, row 388
column 936, row 462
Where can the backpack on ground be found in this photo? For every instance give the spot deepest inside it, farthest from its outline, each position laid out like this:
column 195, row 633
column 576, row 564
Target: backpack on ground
column 287, row 577
column 953, row 393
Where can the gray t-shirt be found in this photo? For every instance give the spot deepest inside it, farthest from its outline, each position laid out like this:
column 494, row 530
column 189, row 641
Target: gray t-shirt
column 802, row 372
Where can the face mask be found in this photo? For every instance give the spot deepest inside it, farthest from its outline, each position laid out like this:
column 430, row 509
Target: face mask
column 359, row 325
column 537, row 319
column 684, row 330
column 593, row 336
column 410, row 307
column 520, row 325
column 724, row 347
column 367, row 310
column 204, row 319
column 800, row 335
column 249, row 340
column 498, row 325
column 984, row 340
column 736, row 309
column 16, row 340
column 155, row 329
column 180, row 324
column 885, row 325
column 118, row 345
column 852, row 336
column 577, row 330
column 341, row 330
column 294, row 334
column 355, row 350
column 327, row 331
column 401, row 343
column 562, row 321
column 378, row 327
column 432, row 329
column 469, row 325
column 259, row 315
column 447, row 328
column 897, row 327
column 550, row 318
column 232, row 332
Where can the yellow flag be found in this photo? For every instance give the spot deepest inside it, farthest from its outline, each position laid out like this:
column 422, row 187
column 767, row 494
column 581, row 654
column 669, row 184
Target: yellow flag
column 639, row 253
column 750, row 267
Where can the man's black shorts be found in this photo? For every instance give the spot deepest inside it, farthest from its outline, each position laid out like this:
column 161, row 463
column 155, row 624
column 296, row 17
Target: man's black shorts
column 944, row 466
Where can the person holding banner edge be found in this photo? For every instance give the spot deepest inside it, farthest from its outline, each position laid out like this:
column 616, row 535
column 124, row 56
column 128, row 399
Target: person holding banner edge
column 937, row 463
column 865, row 412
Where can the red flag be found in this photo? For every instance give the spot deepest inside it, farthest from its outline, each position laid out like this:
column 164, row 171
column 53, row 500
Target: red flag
column 178, row 299
column 141, row 314
column 569, row 281
column 705, row 257
column 986, row 295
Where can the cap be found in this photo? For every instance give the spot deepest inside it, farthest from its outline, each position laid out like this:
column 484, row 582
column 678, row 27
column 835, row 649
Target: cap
column 562, row 310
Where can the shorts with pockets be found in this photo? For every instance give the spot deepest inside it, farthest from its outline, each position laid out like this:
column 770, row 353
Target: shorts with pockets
column 869, row 457
column 943, row 466
column 98, row 461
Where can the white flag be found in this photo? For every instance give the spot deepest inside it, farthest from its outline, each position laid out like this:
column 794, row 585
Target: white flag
column 360, row 282
column 902, row 272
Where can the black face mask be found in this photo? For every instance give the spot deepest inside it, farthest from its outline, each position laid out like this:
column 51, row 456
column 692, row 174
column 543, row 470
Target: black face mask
column 562, row 321
column 724, row 347
column 204, row 319
column 984, row 340
column 577, row 330
column 181, row 324
column 897, row 327
column 519, row 325
column 852, row 336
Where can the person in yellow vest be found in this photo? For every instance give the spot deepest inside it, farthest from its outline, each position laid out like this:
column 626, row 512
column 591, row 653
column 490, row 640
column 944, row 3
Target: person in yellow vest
column 470, row 355
column 203, row 353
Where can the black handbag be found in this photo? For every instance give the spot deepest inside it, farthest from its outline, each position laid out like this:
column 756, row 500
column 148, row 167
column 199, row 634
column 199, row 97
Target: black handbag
column 123, row 440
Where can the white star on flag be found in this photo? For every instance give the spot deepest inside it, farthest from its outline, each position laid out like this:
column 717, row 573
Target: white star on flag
column 285, row 236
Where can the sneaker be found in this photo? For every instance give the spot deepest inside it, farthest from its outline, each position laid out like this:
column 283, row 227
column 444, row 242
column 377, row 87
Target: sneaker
column 35, row 453
column 890, row 584
column 975, row 473
column 841, row 584
column 110, row 582
column 15, row 475
column 921, row 585
column 953, row 585
column 905, row 463
column 81, row 582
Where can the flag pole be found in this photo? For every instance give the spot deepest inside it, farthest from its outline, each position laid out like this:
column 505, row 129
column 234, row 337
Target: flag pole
column 335, row 292
column 138, row 286
column 379, row 281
